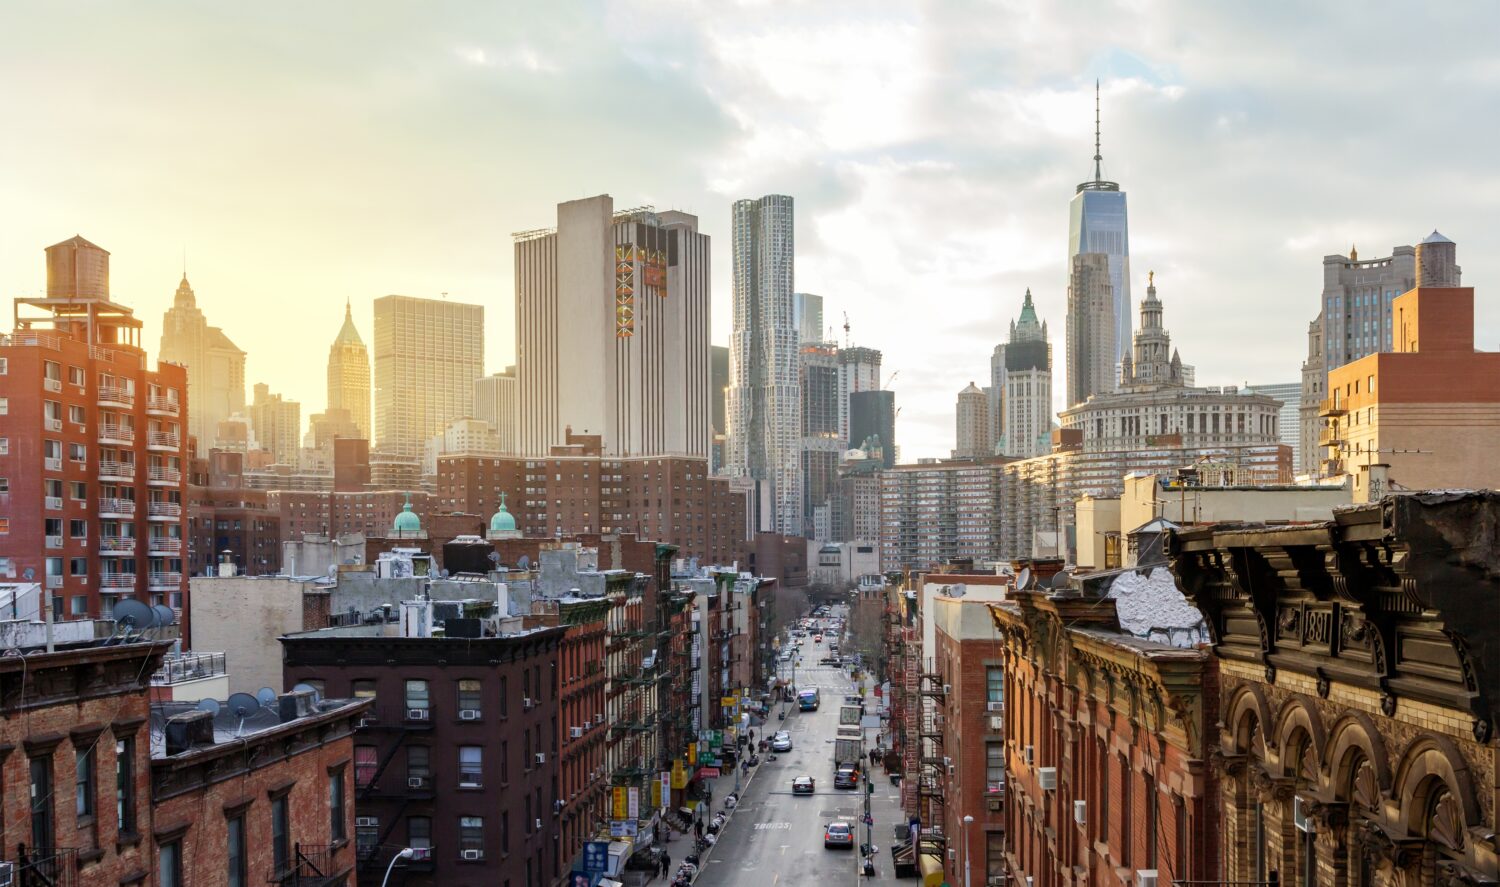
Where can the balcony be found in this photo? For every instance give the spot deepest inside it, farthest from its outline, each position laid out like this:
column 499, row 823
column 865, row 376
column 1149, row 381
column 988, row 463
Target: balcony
column 161, row 406
column 120, row 435
column 167, row 545
column 163, row 440
column 113, row 396
column 117, row 508
column 161, row 475
column 163, row 581
column 110, row 470
column 117, row 545
column 163, row 511
column 1330, row 437
column 1331, row 408
column 117, row 580
column 181, row 668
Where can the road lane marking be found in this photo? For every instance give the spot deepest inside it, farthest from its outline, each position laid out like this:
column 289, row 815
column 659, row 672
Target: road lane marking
column 761, row 826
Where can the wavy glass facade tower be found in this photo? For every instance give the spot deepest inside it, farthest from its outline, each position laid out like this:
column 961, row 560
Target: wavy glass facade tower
column 765, row 400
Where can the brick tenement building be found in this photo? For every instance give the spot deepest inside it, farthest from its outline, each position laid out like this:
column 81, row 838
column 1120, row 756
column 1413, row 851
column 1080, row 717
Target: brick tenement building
column 968, row 656
column 119, row 790
column 1360, row 668
column 371, row 512
column 578, row 491
column 1106, row 747
column 456, row 756
column 581, row 733
column 262, row 798
column 92, row 447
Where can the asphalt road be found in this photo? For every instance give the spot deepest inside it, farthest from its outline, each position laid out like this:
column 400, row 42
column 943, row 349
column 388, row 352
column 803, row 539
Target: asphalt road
column 776, row 837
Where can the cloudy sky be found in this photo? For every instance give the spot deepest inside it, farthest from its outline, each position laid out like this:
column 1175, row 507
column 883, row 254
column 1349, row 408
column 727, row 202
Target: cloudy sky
column 302, row 154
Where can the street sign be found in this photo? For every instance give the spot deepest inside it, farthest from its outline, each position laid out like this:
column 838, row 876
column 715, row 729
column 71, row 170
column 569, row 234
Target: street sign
column 596, row 856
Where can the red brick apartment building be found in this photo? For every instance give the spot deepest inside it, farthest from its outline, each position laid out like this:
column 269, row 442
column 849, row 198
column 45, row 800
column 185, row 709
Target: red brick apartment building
column 120, row 790
column 1107, row 746
column 93, row 448
column 576, row 490
column 225, row 516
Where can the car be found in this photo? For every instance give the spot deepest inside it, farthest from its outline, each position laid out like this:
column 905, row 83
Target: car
column 781, row 742
column 803, row 785
column 838, row 834
column 829, row 660
column 847, row 777
column 817, row 639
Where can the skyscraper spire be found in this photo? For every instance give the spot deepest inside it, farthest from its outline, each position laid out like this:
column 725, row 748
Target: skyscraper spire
column 1098, row 157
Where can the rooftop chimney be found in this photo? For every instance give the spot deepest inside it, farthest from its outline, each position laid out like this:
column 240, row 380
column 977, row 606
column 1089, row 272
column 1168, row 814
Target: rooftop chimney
column 189, row 729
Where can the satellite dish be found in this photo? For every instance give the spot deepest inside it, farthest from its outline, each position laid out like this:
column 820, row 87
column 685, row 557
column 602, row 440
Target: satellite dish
column 266, row 695
column 494, row 557
column 28, row 574
column 243, row 705
column 523, row 563
column 308, row 688
column 134, row 615
column 1024, row 579
column 165, row 615
column 209, row 705
column 442, row 574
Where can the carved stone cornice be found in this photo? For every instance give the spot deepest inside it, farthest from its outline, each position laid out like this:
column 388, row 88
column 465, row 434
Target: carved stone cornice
column 1228, row 765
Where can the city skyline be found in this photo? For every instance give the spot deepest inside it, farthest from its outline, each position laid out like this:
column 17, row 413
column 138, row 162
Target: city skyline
column 972, row 157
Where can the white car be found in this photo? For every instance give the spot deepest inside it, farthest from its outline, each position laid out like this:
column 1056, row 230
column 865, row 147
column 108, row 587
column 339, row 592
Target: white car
column 781, row 742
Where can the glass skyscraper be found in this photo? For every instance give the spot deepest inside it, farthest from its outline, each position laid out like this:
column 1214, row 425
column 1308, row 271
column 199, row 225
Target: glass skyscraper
column 1097, row 224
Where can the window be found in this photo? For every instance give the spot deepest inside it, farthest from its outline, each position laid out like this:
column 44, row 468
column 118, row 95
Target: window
column 470, row 766
column 75, row 376
column 364, row 689
column 4, row 365
column 4, row 406
column 336, row 806
column 468, row 697
column 471, row 833
column 78, row 605
column 994, row 767
column 238, row 858
column 78, row 529
column 366, row 759
column 78, row 566
column 281, row 839
column 504, row 700
column 78, row 452
column 1150, row 821
column 83, row 782
column 504, row 831
column 419, row 833
column 78, row 490
column 169, row 864
column 504, row 762
column 994, row 857
column 4, row 446
column 419, row 763
column 7, row 568
column 1127, row 810
column 125, row 783
column 995, row 684
column 366, row 836
column 41, row 801
column 416, row 696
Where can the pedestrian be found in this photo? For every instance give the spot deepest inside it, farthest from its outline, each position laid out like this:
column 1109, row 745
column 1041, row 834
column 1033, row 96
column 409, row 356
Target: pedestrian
column 666, row 864
column 698, row 829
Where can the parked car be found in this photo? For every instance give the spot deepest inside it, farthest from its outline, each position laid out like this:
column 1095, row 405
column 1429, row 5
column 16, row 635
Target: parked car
column 838, row 834
column 803, row 785
column 782, row 741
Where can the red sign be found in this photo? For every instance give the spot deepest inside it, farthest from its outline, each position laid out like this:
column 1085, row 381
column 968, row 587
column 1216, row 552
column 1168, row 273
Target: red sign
column 708, row 772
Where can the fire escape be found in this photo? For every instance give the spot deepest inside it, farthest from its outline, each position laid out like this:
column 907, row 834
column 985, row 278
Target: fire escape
column 395, row 725
column 932, row 765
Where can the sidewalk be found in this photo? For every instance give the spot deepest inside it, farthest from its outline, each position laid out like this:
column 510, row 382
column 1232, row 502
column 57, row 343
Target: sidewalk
column 885, row 811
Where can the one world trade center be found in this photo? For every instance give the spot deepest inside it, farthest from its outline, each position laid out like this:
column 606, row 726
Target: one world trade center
column 1097, row 224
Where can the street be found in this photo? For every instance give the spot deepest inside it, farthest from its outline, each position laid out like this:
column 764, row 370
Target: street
column 776, row 836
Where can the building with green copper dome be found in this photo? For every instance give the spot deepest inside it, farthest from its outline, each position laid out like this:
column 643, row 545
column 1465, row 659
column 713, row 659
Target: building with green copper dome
column 407, row 525
column 503, row 523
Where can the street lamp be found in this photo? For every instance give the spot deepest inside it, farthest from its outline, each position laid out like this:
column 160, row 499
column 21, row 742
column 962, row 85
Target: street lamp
column 964, row 832
column 406, row 853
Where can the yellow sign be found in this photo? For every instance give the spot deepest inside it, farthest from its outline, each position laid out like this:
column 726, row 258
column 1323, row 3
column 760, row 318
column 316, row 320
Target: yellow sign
column 656, row 794
column 679, row 774
column 729, row 701
column 621, row 803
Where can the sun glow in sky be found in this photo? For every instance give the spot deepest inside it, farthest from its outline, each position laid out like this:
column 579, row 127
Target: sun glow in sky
column 302, row 155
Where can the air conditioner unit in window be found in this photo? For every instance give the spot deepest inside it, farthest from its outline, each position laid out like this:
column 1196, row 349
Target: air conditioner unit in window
column 538, row 825
column 997, row 724
column 415, row 781
column 1145, row 878
column 575, row 732
column 468, row 714
column 366, row 822
column 473, row 854
column 527, row 703
column 541, row 757
column 599, row 719
column 1028, row 754
column 947, row 689
column 1080, row 812
column 416, row 714
column 994, row 706
column 1046, row 778
column 421, row 854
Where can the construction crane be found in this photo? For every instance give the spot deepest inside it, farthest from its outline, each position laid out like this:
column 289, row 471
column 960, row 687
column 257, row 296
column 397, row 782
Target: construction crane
column 888, row 381
column 847, row 343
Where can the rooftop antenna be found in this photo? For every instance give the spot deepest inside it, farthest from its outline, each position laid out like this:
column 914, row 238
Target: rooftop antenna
column 1098, row 157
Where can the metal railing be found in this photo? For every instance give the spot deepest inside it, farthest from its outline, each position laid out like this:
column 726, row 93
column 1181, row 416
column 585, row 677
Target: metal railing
column 117, row 544
column 117, row 580
column 164, row 509
column 113, row 394
column 111, row 468
column 45, row 866
column 164, row 439
column 162, row 405
column 123, row 433
column 161, row 473
column 160, row 581
column 311, row 865
column 164, row 543
column 190, row 667
column 117, row 506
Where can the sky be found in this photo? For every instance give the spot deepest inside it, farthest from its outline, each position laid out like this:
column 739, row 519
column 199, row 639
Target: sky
column 300, row 155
